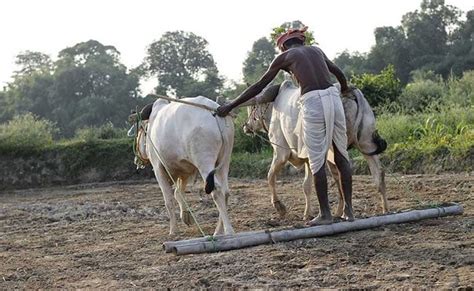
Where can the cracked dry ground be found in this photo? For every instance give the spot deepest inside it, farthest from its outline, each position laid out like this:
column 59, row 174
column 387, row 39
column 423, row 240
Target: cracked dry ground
column 109, row 236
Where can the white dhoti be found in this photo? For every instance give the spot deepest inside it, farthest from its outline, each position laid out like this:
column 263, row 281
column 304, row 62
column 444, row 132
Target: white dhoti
column 321, row 123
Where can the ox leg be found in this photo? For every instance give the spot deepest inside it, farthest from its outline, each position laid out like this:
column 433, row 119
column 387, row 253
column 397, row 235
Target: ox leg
column 222, row 175
column 179, row 193
column 308, row 212
column 277, row 164
column 378, row 175
column 219, row 197
column 165, row 186
column 340, row 200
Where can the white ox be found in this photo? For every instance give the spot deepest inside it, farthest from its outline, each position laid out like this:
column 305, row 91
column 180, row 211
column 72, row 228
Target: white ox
column 276, row 111
column 182, row 141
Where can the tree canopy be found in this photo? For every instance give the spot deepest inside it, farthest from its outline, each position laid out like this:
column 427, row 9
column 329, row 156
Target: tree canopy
column 86, row 86
column 434, row 37
column 183, row 65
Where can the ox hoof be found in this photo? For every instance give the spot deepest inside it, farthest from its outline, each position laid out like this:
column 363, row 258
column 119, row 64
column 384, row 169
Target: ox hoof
column 280, row 208
column 187, row 218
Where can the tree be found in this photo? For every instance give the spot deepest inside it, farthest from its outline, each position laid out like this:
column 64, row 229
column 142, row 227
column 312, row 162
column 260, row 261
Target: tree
column 91, row 87
column 432, row 38
column 258, row 60
column 29, row 91
column 183, row 65
column 427, row 30
column 390, row 48
column 351, row 64
column 31, row 62
column 295, row 24
column 461, row 51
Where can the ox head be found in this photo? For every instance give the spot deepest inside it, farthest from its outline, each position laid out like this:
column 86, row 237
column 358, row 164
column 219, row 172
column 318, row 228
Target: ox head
column 258, row 118
column 259, row 110
column 138, row 131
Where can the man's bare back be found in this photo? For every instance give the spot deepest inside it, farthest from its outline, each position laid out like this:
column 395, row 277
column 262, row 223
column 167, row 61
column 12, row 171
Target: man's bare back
column 308, row 64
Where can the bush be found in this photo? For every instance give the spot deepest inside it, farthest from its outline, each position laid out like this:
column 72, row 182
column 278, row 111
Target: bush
column 421, row 94
column 397, row 127
column 106, row 131
column 26, row 132
column 446, row 119
column 250, row 165
column 461, row 91
column 379, row 89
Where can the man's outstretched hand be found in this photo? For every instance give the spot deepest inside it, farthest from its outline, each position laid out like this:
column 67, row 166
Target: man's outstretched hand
column 223, row 110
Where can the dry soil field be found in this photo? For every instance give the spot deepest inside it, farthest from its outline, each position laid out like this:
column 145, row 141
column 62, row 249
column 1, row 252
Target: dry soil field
column 110, row 235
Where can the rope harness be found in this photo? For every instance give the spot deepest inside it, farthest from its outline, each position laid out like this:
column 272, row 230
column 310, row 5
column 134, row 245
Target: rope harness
column 140, row 130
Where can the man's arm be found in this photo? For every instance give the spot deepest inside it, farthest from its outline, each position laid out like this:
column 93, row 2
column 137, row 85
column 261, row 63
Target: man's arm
column 341, row 78
column 278, row 63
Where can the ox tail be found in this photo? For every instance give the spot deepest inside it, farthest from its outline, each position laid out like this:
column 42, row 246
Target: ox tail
column 210, row 184
column 379, row 142
column 360, row 110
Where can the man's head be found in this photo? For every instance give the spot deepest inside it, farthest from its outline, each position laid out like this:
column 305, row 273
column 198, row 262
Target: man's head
column 291, row 37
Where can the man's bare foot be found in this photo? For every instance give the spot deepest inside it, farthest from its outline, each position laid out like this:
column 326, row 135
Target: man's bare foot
column 320, row 221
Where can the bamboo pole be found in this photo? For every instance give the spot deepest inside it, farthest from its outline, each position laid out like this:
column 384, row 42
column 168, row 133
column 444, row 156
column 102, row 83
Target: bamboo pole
column 168, row 245
column 203, row 106
column 225, row 243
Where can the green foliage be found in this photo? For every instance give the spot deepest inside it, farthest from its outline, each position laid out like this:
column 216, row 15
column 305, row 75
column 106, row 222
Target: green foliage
column 245, row 143
column 32, row 62
column 434, row 37
column 80, row 155
column 352, row 64
column 258, row 60
column 418, row 95
column 26, row 132
column 460, row 91
column 233, row 90
column 250, row 165
column 87, row 86
column 183, row 65
column 296, row 24
column 378, row 89
column 91, row 87
column 403, row 127
column 105, row 131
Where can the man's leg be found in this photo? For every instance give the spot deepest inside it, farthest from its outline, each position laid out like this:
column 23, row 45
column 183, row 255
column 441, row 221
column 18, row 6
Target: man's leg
column 345, row 182
column 321, row 185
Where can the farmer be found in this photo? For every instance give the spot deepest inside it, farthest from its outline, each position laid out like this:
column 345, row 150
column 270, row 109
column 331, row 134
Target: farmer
column 323, row 121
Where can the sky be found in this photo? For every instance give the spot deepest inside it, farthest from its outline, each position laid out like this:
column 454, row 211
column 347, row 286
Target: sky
column 230, row 27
